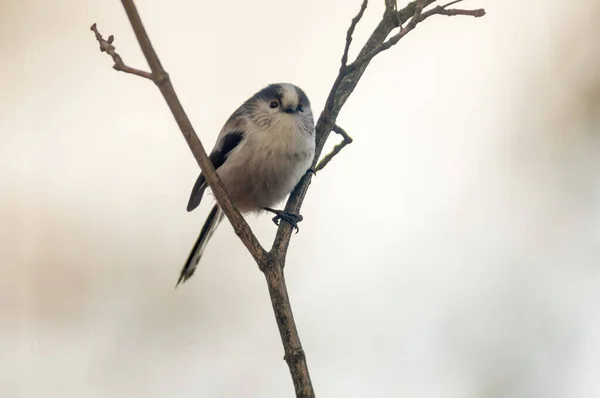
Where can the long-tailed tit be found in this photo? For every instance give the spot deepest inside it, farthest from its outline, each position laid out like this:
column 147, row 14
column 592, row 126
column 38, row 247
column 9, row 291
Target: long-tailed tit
column 262, row 152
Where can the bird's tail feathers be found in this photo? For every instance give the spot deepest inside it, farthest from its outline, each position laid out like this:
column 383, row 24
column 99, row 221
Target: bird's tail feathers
column 210, row 225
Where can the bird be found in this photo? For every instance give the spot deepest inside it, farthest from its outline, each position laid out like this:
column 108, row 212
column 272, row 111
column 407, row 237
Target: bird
column 266, row 146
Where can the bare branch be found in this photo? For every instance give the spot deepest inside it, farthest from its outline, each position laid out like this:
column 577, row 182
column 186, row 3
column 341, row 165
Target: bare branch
column 107, row 47
column 294, row 353
column 418, row 17
column 355, row 21
column 418, row 10
column 451, row 3
column 336, row 149
column 342, row 88
column 160, row 77
column 441, row 10
column 394, row 8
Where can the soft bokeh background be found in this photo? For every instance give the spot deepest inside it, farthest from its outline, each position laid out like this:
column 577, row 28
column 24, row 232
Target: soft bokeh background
column 451, row 251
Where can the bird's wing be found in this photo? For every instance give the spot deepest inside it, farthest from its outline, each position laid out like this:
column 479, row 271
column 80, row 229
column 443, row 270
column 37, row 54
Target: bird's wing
column 229, row 138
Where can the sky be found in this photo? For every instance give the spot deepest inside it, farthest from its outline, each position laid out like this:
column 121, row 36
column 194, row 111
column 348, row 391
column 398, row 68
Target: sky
column 450, row 251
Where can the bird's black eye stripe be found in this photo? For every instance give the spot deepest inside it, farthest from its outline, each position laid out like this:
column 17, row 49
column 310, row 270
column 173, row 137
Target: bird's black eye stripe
column 274, row 104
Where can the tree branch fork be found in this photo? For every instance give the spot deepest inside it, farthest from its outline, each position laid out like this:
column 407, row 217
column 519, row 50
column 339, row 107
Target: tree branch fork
column 272, row 262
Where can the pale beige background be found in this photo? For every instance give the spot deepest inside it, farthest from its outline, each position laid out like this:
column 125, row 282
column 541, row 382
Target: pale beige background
column 451, row 251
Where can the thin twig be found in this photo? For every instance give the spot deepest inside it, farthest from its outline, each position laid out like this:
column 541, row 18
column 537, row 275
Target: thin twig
column 440, row 10
column 398, row 16
column 336, row 149
column 451, row 3
column 350, row 32
column 417, row 18
column 107, row 47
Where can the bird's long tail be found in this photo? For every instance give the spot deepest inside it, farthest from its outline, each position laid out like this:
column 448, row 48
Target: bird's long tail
column 210, row 225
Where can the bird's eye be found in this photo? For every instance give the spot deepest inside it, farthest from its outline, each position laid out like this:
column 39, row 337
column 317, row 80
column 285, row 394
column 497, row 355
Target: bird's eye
column 274, row 104
column 300, row 108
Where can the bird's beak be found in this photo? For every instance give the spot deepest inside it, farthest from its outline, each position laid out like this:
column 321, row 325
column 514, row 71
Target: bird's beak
column 289, row 110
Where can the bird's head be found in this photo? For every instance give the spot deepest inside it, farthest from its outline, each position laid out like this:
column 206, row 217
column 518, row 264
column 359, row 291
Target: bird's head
column 282, row 102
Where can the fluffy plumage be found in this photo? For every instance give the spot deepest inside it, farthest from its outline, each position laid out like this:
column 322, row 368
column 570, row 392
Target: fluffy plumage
column 261, row 153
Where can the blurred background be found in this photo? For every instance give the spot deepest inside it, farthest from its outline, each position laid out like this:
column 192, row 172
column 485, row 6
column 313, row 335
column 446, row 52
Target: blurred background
column 451, row 251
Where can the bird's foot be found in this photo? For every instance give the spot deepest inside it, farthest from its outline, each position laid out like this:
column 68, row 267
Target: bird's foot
column 311, row 170
column 291, row 218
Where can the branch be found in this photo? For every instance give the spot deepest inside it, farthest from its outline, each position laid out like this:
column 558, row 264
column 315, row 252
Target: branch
column 350, row 32
column 392, row 6
column 418, row 17
column 107, row 47
column 344, row 85
column 160, row 77
column 336, row 149
column 442, row 10
column 451, row 3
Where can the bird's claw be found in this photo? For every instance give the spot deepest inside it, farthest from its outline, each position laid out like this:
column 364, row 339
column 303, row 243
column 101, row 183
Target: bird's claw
column 291, row 218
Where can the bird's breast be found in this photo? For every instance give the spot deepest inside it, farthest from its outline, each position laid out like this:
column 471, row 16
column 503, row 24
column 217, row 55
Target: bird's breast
column 267, row 166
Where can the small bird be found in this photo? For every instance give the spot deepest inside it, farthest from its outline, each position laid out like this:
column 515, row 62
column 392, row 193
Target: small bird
column 261, row 153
